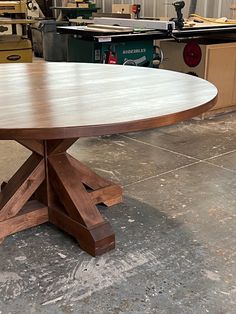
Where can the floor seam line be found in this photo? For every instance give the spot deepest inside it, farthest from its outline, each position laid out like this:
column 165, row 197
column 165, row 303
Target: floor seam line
column 162, row 148
column 220, row 155
column 177, row 153
column 161, row 174
column 218, row 166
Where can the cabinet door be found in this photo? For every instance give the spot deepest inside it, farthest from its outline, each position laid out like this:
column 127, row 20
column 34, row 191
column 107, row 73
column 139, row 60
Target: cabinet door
column 234, row 86
column 220, row 71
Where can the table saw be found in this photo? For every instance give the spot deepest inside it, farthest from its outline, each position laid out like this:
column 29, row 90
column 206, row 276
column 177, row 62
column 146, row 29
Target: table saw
column 132, row 40
column 110, row 44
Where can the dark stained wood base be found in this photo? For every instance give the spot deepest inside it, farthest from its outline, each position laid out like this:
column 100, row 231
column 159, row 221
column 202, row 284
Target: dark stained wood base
column 96, row 240
column 31, row 215
column 53, row 186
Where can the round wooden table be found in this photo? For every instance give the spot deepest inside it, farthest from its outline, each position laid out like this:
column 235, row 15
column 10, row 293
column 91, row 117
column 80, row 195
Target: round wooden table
column 46, row 107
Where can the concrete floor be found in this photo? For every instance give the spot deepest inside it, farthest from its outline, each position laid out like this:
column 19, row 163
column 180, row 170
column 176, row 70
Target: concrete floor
column 176, row 235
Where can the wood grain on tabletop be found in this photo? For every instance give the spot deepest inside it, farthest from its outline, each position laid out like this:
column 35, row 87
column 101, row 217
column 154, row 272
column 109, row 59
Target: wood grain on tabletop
column 64, row 100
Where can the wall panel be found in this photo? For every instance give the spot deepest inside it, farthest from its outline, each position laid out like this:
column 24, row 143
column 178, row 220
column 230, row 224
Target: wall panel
column 157, row 8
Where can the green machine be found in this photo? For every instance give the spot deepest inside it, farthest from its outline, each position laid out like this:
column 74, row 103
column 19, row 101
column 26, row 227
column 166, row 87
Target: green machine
column 138, row 52
column 112, row 45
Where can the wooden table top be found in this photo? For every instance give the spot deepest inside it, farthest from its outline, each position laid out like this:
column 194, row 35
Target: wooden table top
column 66, row 100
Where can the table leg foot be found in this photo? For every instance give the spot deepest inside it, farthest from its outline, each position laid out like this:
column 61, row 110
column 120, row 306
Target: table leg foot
column 32, row 214
column 16, row 211
column 109, row 195
column 100, row 240
column 79, row 215
column 97, row 240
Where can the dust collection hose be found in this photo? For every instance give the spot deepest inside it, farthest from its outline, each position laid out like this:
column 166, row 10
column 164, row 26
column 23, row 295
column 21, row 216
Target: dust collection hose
column 193, row 6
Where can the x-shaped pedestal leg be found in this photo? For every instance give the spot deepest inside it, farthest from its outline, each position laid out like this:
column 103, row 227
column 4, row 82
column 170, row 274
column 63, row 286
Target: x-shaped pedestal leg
column 53, row 186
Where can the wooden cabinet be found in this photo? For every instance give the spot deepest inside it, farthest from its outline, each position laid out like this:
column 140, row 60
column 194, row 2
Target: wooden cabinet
column 221, row 71
column 217, row 65
column 15, row 49
column 14, row 45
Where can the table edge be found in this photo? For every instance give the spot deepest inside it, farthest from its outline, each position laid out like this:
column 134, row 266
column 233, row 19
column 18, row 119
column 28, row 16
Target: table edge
column 105, row 129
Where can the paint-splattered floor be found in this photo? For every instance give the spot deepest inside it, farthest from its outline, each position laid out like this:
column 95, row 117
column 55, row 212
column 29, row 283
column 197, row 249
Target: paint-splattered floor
column 176, row 234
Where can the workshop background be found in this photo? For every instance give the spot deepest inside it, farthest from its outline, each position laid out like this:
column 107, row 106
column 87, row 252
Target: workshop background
column 156, row 8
